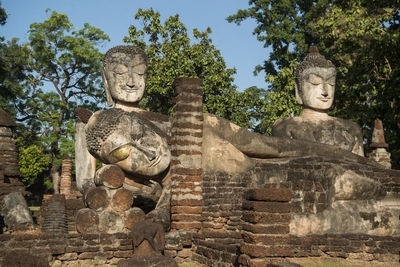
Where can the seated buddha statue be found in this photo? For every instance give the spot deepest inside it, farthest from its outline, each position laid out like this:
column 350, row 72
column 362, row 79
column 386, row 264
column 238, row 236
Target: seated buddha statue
column 315, row 88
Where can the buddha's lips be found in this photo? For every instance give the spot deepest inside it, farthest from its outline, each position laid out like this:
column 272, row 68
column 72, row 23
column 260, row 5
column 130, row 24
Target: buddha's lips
column 324, row 99
column 130, row 90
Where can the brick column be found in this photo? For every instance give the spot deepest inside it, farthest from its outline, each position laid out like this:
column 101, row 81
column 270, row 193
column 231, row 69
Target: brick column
column 186, row 167
column 65, row 181
column 265, row 229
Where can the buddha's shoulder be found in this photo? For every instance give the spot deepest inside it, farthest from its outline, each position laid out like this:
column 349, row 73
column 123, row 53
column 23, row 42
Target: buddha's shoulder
column 290, row 121
column 347, row 124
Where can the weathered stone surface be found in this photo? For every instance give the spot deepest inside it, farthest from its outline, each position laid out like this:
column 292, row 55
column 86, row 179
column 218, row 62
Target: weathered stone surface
column 349, row 185
column 266, row 251
column 258, row 146
column 97, row 198
column 110, row 176
column 110, row 222
column 268, row 194
column 83, row 114
column 148, row 261
column 87, row 221
column 152, row 232
column 15, row 212
column 133, row 216
column 284, row 264
column 337, row 132
column 55, row 216
column 21, row 259
column 85, row 165
column 161, row 216
column 127, row 141
column 378, row 136
column 122, row 199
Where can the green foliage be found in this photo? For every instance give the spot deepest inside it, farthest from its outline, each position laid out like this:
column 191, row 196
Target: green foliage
column 360, row 37
column 62, row 67
column 32, row 163
column 3, row 15
column 173, row 54
column 13, row 65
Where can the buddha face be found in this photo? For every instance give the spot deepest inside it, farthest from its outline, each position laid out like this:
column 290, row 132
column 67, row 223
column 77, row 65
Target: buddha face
column 130, row 144
column 124, row 77
column 317, row 88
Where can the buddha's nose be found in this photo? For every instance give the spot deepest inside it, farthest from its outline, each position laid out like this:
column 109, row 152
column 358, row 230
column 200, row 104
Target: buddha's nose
column 324, row 92
column 130, row 82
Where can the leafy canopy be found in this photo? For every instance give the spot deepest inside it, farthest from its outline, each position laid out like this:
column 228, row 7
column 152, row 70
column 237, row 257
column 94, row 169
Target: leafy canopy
column 360, row 37
column 44, row 80
column 65, row 70
column 173, row 54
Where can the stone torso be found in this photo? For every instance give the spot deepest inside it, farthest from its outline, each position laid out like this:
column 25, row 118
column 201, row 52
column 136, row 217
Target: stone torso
column 338, row 132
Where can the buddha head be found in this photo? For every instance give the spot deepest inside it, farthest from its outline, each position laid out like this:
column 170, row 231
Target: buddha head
column 315, row 81
column 122, row 138
column 124, row 74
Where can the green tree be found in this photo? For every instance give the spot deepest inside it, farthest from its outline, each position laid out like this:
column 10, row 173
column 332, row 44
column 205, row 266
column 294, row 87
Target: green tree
column 13, row 61
column 3, row 15
column 63, row 71
column 32, row 163
column 173, row 54
column 361, row 38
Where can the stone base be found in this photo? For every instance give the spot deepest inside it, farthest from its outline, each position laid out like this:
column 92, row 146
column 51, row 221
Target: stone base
column 147, row 261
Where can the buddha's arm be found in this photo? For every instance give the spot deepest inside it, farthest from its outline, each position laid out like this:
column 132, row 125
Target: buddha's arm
column 358, row 146
column 85, row 163
column 260, row 146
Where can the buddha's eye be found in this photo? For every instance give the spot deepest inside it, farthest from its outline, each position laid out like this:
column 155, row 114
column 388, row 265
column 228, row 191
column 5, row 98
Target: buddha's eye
column 121, row 152
column 315, row 83
column 121, row 70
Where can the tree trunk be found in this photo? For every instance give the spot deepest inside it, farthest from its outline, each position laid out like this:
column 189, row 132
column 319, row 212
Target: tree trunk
column 110, row 176
column 55, row 177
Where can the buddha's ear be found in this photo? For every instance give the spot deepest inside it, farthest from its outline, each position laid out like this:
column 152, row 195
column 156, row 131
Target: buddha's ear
column 299, row 97
column 110, row 101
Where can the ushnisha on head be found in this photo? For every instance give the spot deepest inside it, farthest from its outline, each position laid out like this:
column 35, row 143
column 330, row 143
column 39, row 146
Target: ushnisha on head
column 315, row 82
column 124, row 74
column 118, row 137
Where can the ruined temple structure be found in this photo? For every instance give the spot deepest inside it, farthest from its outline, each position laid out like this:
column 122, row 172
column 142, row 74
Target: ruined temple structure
column 379, row 146
column 228, row 197
column 9, row 172
column 332, row 207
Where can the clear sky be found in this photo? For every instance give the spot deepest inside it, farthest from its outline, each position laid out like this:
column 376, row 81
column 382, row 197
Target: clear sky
column 237, row 44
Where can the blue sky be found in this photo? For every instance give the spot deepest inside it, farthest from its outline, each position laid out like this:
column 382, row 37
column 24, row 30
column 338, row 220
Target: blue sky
column 237, row 44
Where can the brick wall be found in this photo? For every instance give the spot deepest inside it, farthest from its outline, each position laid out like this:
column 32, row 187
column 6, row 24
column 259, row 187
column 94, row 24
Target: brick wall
column 266, row 239
column 231, row 217
column 220, row 236
column 72, row 248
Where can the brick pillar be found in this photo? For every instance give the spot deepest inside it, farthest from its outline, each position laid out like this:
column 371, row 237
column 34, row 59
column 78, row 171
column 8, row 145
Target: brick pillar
column 65, row 181
column 8, row 148
column 186, row 143
column 265, row 228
